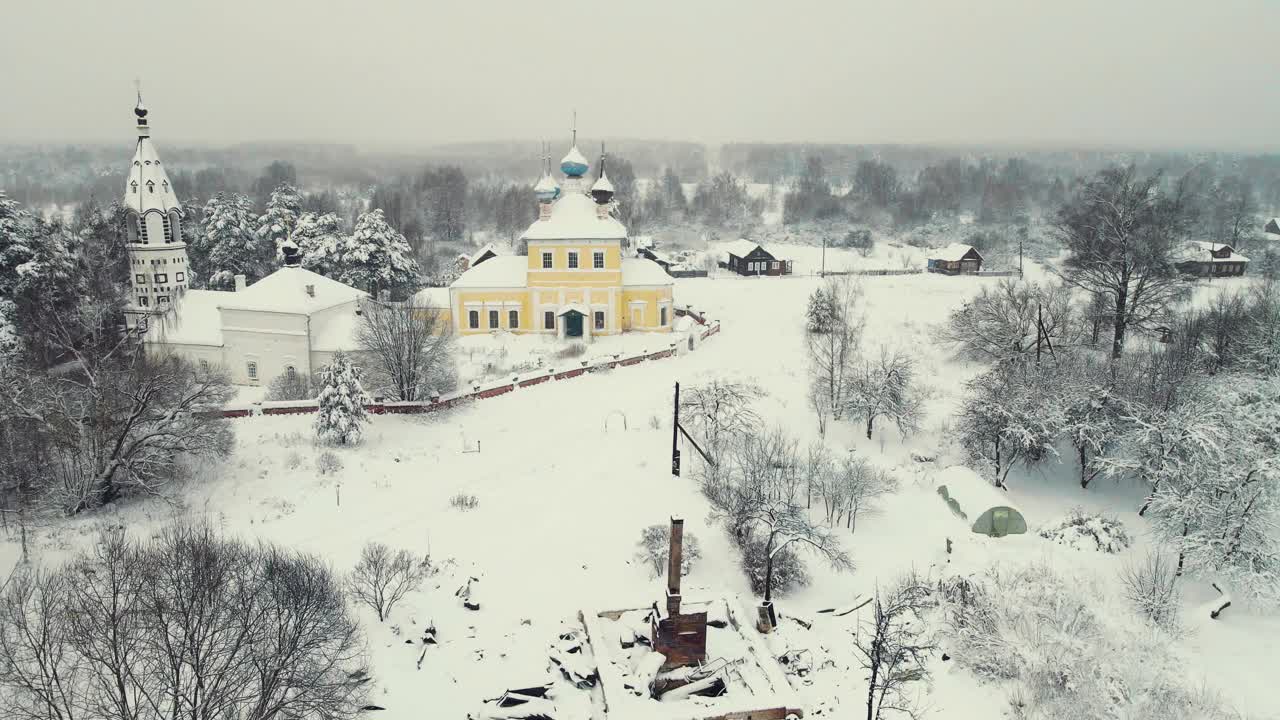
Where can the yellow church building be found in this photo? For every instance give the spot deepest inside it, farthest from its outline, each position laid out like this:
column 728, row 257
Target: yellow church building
column 575, row 280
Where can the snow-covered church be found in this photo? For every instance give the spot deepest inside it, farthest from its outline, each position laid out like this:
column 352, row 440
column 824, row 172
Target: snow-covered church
column 291, row 321
column 574, row 282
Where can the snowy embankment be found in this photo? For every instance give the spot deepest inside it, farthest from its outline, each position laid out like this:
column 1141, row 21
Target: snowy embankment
column 567, row 476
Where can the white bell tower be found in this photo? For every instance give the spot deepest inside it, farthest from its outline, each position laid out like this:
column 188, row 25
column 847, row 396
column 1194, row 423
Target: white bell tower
column 158, row 269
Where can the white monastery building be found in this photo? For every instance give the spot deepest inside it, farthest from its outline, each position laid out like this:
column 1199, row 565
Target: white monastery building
column 292, row 320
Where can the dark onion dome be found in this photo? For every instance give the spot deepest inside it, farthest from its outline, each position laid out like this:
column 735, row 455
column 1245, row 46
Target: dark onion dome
column 602, row 190
column 574, row 164
column 140, row 110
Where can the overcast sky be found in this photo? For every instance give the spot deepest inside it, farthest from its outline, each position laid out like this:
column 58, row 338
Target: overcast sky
column 1144, row 73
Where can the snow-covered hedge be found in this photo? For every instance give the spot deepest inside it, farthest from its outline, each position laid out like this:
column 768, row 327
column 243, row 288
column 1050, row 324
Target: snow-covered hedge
column 1083, row 531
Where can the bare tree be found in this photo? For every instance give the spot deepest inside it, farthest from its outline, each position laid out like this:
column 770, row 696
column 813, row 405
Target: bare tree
column 832, row 353
column 856, row 487
column 187, row 625
column 1120, row 232
column 382, row 578
column 887, row 387
column 894, row 648
column 1003, row 322
column 720, row 411
column 111, row 426
column 409, row 348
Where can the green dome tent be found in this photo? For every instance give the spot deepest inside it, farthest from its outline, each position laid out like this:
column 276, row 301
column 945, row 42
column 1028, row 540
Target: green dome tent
column 978, row 502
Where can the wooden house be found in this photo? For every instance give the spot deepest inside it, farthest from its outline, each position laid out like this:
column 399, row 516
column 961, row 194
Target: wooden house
column 955, row 259
column 747, row 258
column 1205, row 259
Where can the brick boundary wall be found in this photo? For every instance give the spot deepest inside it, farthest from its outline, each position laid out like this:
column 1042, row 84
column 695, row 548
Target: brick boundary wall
column 706, row 329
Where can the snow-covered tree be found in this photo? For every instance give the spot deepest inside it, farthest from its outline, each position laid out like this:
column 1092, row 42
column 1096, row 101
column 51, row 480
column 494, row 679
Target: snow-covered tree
column 887, row 387
column 230, row 245
column 281, row 215
column 342, row 415
column 376, row 257
column 1260, row 345
column 1001, row 322
column 1009, row 416
column 832, row 353
column 1092, row 414
column 318, row 237
column 1213, row 468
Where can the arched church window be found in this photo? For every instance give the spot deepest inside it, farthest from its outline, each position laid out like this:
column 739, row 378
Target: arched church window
column 151, row 186
column 134, row 186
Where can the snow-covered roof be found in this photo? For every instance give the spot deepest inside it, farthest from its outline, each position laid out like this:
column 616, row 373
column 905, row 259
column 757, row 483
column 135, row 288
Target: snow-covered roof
column 547, row 184
column 952, row 253
column 192, row 319
column 574, row 156
column 432, row 297
column 503, row 271
column 1198, row 251
column 148, row 187
column 639, row 271
column 740, row 247
column 285, row 290
column 1273, row 225
column 602, row 183
column 643, row 241
column 973, row 493
column 574, row 217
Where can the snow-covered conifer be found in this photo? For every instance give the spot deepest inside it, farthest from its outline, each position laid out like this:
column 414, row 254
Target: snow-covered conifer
column 277, row 222
column 318, row 237
column 230, row 245
column 342, row 415
column 376, row 257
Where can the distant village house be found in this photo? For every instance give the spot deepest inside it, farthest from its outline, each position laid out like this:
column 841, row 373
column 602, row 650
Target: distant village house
column 747, row 258
column 955, row 259
column 1205, row 259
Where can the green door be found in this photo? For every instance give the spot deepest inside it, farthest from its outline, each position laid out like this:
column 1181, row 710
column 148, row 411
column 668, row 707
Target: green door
column 999, row 522
column 573, row 324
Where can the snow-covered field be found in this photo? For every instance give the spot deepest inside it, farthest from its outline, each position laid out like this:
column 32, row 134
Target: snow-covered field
column 567, row 475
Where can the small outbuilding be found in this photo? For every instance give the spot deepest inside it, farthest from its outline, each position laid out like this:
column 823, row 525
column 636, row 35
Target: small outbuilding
column 955, row 259
column 748, row 258
column 1206, row 259
column 983, row 506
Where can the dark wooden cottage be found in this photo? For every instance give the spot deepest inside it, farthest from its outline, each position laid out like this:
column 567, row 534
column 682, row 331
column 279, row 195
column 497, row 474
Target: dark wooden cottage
column 955, row 259
column 747, row 258
column 1204, row 259
column 1272, row 226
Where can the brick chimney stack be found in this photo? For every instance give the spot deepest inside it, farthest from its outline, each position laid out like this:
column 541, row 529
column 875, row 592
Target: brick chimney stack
column 675, row 556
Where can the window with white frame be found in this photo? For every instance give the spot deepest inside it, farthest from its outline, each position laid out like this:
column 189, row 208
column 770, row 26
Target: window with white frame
column 493, row 319
column 144, row 300
column 473, row 319
column 549, row 320
column 599, row 314
column 547, row 261
column 162, row 277
column 179, row 277
column 141, row 278
column 513, row 319
column 597, row 259
column 251, row 368
column 573, row 259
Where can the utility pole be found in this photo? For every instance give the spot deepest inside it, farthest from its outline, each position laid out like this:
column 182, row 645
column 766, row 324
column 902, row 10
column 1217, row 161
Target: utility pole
column 675, row 435
column 1019, row 256
column 823, row 272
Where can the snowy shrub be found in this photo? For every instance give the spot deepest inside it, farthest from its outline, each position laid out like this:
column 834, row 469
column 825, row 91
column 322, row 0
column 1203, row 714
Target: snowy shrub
column 655, row 422
column 655, row 549
column 327, row 463
column 1083, row 531
column 294, row 461
column 789, row 572
column 1151, row 585
column 383, row 577
column 973, row 621
column 341, row 413
column 573, row 350
column 463, row 501
column 290, row 386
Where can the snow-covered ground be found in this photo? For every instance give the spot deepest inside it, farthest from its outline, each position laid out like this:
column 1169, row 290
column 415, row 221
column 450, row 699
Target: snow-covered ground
column 568, row 474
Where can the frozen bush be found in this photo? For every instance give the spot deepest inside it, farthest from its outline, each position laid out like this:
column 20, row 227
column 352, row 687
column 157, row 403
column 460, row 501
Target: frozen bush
column 1083, row 531
column 382, row 577
column 655, row 546
column 463, row 501
column 1151, row 585
column 789, row 572
column 290, row 385
column 294, row 461
column 327, row 463
column 574, row 350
